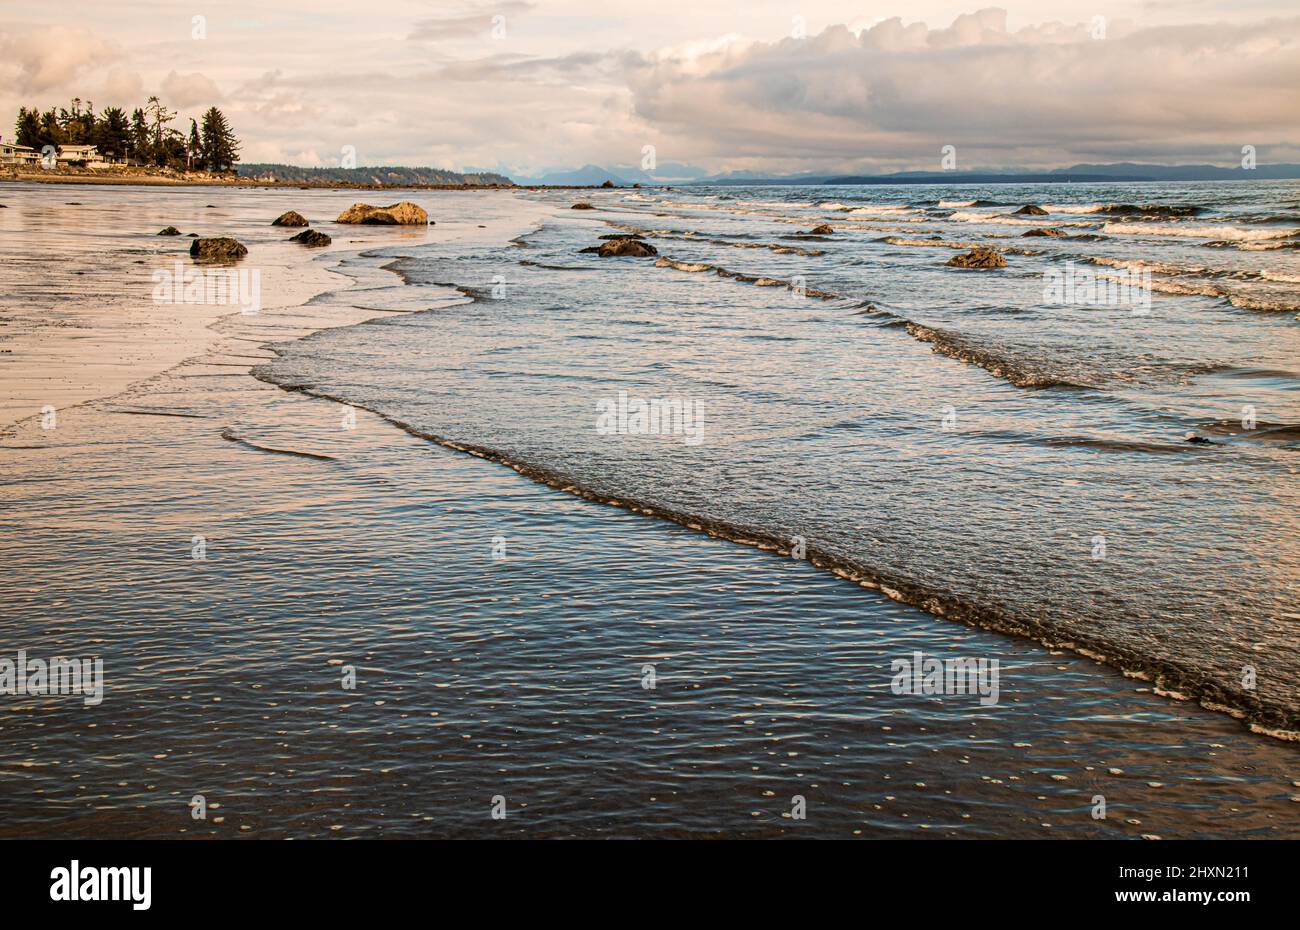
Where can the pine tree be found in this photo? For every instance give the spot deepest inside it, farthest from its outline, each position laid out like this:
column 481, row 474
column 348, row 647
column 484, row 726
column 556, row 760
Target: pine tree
column 112, row 134
column 220, row 147
column 27, row 131
column 194, row 150
column 141, row 149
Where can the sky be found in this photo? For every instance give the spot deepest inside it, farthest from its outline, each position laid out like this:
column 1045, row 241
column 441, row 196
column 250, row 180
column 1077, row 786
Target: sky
column 524, row 86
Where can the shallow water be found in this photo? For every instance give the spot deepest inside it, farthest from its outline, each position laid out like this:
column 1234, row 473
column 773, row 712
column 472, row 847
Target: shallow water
column 943, row 433
column 522, row 676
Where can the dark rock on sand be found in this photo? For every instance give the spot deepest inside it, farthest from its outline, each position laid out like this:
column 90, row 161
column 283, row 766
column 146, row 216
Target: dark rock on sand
column 624, row 248
column 1044, row 231
column 312, row 238
column 397, row 214
column 222, row 249
column 169, row 231
column 582, row 206
column 822, row 230
column 1030, row 210
column 979, row 257
column 291, row 218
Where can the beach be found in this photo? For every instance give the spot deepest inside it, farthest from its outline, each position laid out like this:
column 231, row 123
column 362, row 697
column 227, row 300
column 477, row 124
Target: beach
column 390, row 471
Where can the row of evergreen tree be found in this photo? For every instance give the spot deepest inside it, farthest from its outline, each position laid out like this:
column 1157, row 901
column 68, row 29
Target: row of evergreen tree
column 144, row 137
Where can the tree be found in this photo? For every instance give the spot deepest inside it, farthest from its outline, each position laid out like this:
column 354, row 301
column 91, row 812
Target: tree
column 141, row 149
column 51, row 131
column 112, row 133
column 27, row 131
column 159, row 116
column 194, row 150
column 220, row 147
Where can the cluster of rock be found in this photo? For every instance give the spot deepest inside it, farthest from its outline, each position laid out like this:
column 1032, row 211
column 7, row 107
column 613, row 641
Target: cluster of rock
column 225, row 249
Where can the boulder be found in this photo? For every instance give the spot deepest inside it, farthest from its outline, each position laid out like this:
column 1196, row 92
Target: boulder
column 582, row 206
column 1044, row 231
column 608, row 184
column 1030, row 210
column 291, row 218
column 624, row 248
column 169, row 231
column 311, row 238
column 404, row 214
column 822, row 230
column 978, row 257
column 221, row 249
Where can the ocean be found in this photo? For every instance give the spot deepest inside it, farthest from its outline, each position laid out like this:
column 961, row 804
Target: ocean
column 469, row 532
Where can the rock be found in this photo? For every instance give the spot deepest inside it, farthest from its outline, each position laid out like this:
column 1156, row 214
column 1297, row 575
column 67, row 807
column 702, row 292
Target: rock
column 222, row 249
column 822, row 230
column 978, row 257
column 290, row 219
column 624, row 236
column 1030, row 210
column 636, row 186
column 608, row 184
column 582, row 206
column 404, row 214
column 311, row 238
column 1044, row 231
column 1198, row 440
column 169, row 231
column 624, row 248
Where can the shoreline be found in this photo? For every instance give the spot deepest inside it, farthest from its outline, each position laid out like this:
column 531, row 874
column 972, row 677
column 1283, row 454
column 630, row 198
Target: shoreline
column 159, row 180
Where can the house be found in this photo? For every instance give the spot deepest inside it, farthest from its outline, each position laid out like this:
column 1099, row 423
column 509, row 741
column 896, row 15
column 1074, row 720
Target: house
column 79, row 156
column 12, row 155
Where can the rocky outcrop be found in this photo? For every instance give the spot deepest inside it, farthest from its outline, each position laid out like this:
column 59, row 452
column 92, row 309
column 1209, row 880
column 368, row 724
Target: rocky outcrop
column 169, row 231
column 822, row 230
column 608, row 184
column 624, row 248
column 398, row 214
column 978, row 257
column 311, row 238
column 291, row 218
column 1030, row 210
column 1044, row 231
column 221, row 249
column 582, row 206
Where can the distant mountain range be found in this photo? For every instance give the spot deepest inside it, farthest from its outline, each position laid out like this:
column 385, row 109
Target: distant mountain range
column 625, row 176
column 396, row 176
column 679, row 174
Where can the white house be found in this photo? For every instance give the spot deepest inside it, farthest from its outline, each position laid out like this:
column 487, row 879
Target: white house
column 12, row 154
column 81, row 156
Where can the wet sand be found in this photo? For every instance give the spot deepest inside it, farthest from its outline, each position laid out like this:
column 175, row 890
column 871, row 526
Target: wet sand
column 333, row 542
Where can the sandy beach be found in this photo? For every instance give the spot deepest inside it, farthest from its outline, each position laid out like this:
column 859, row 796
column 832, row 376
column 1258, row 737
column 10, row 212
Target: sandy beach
column 231, row 549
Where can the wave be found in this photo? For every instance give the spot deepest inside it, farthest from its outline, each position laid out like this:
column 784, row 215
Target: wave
column 1018, row 371
column 1168, row 676
column 1224, row 233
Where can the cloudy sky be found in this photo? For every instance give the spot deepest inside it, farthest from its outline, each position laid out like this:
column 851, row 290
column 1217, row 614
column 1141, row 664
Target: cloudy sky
column 795, row 85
